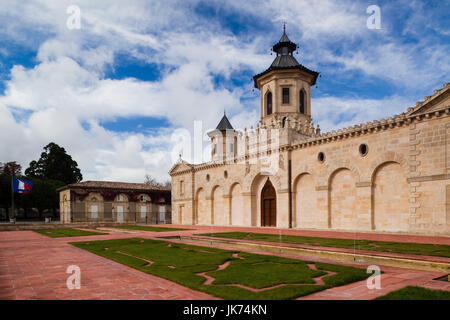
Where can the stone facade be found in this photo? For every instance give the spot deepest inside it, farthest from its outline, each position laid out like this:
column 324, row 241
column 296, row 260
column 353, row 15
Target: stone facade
column 391, row 175
column 96, row 201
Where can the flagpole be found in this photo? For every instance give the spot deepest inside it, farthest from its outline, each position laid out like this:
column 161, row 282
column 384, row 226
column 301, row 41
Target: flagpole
column 12, row 198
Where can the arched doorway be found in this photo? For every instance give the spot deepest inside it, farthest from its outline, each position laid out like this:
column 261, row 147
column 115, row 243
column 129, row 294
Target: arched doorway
column 268, row 206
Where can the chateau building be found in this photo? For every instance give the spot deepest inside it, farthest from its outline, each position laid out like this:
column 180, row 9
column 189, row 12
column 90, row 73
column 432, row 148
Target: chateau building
column 105, row 201
column 388, row 175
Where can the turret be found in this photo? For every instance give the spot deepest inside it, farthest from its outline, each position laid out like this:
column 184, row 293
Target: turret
column 285, row 87
column 223, row 141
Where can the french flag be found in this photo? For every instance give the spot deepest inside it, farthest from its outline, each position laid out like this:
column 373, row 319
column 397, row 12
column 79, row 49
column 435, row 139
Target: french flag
column 22, row 186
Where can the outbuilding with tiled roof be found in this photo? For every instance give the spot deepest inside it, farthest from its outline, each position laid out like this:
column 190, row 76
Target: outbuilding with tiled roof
column 116, row 202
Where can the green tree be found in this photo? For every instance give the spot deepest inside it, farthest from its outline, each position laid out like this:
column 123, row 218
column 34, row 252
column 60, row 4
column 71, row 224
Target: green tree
column 11, row 168
column 5, row 192
column 55, row 164
column 42, row 197
column 153, row 182
column 7, row 170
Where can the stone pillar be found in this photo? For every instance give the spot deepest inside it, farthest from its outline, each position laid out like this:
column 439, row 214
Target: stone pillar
column 175, row 213
column 209, row 208
column 192, row 199
column 323, row 210
column 283, row 208
column 413, row 164
column 247, row 208
column 364, row 216
column 227, row 207
column 188, row 213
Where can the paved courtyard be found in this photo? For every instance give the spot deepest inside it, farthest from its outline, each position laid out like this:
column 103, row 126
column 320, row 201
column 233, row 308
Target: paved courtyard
column 33, row 266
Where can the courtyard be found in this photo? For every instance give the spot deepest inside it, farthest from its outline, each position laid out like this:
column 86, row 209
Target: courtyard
column 159, row 264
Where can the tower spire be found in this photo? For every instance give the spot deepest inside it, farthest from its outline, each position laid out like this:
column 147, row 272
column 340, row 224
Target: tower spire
column 285, row 59
column 224, row 124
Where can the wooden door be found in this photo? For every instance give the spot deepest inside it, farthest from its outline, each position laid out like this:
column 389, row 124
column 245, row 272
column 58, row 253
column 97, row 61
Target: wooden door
column 268, row 206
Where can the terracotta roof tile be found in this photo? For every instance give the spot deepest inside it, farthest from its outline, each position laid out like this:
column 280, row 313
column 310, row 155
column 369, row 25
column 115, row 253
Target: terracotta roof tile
column 116, row 185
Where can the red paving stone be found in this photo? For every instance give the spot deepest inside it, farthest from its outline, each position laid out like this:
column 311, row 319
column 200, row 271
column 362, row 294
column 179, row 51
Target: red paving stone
column 392, row 279
column 33, row 266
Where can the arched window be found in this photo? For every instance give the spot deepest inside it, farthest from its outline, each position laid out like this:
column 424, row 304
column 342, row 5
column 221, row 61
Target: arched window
column 283, row 122
column 302, row 101
column 269, row 103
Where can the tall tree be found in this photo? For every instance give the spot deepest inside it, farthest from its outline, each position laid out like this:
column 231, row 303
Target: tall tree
column 55, row 164
column 5, row 191
column 150, row 180
column 11, row 168
column 44, row 196
column 153, row 182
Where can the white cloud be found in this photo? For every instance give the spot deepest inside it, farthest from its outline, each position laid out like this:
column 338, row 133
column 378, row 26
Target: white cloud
column 68, row 88
column 311, row 18
column 64, row 85
column 338, row 112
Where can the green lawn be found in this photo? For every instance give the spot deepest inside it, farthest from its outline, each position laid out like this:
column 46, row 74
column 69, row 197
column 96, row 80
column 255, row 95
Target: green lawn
column 66, row 232
column 416, row 293
column 182, row 263
column 384, row 246
column 147, row 228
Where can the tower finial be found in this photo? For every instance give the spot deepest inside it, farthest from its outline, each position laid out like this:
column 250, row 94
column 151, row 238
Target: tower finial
column 284, row 26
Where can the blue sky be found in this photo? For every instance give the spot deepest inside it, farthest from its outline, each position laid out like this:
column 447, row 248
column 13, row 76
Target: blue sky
column 121, row 93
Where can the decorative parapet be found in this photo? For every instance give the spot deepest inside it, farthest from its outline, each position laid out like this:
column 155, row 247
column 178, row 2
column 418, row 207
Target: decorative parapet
column 428, row 99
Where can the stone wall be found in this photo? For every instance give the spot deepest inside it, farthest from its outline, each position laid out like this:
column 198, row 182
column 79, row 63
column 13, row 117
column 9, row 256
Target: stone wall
column 401, row 183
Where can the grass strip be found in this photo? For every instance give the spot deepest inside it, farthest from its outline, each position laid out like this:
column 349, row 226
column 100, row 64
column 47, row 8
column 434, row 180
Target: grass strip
column 148, row 228
column 66, row 232
column 416, row 293
column 438, row 250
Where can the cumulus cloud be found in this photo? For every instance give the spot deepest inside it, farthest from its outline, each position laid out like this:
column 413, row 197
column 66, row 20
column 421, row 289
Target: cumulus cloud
column 335, row 113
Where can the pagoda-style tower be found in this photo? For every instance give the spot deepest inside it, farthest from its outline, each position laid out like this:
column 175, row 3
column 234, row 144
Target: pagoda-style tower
column 285, row 87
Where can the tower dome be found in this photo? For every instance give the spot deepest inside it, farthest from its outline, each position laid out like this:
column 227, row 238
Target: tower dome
column 285, row 86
